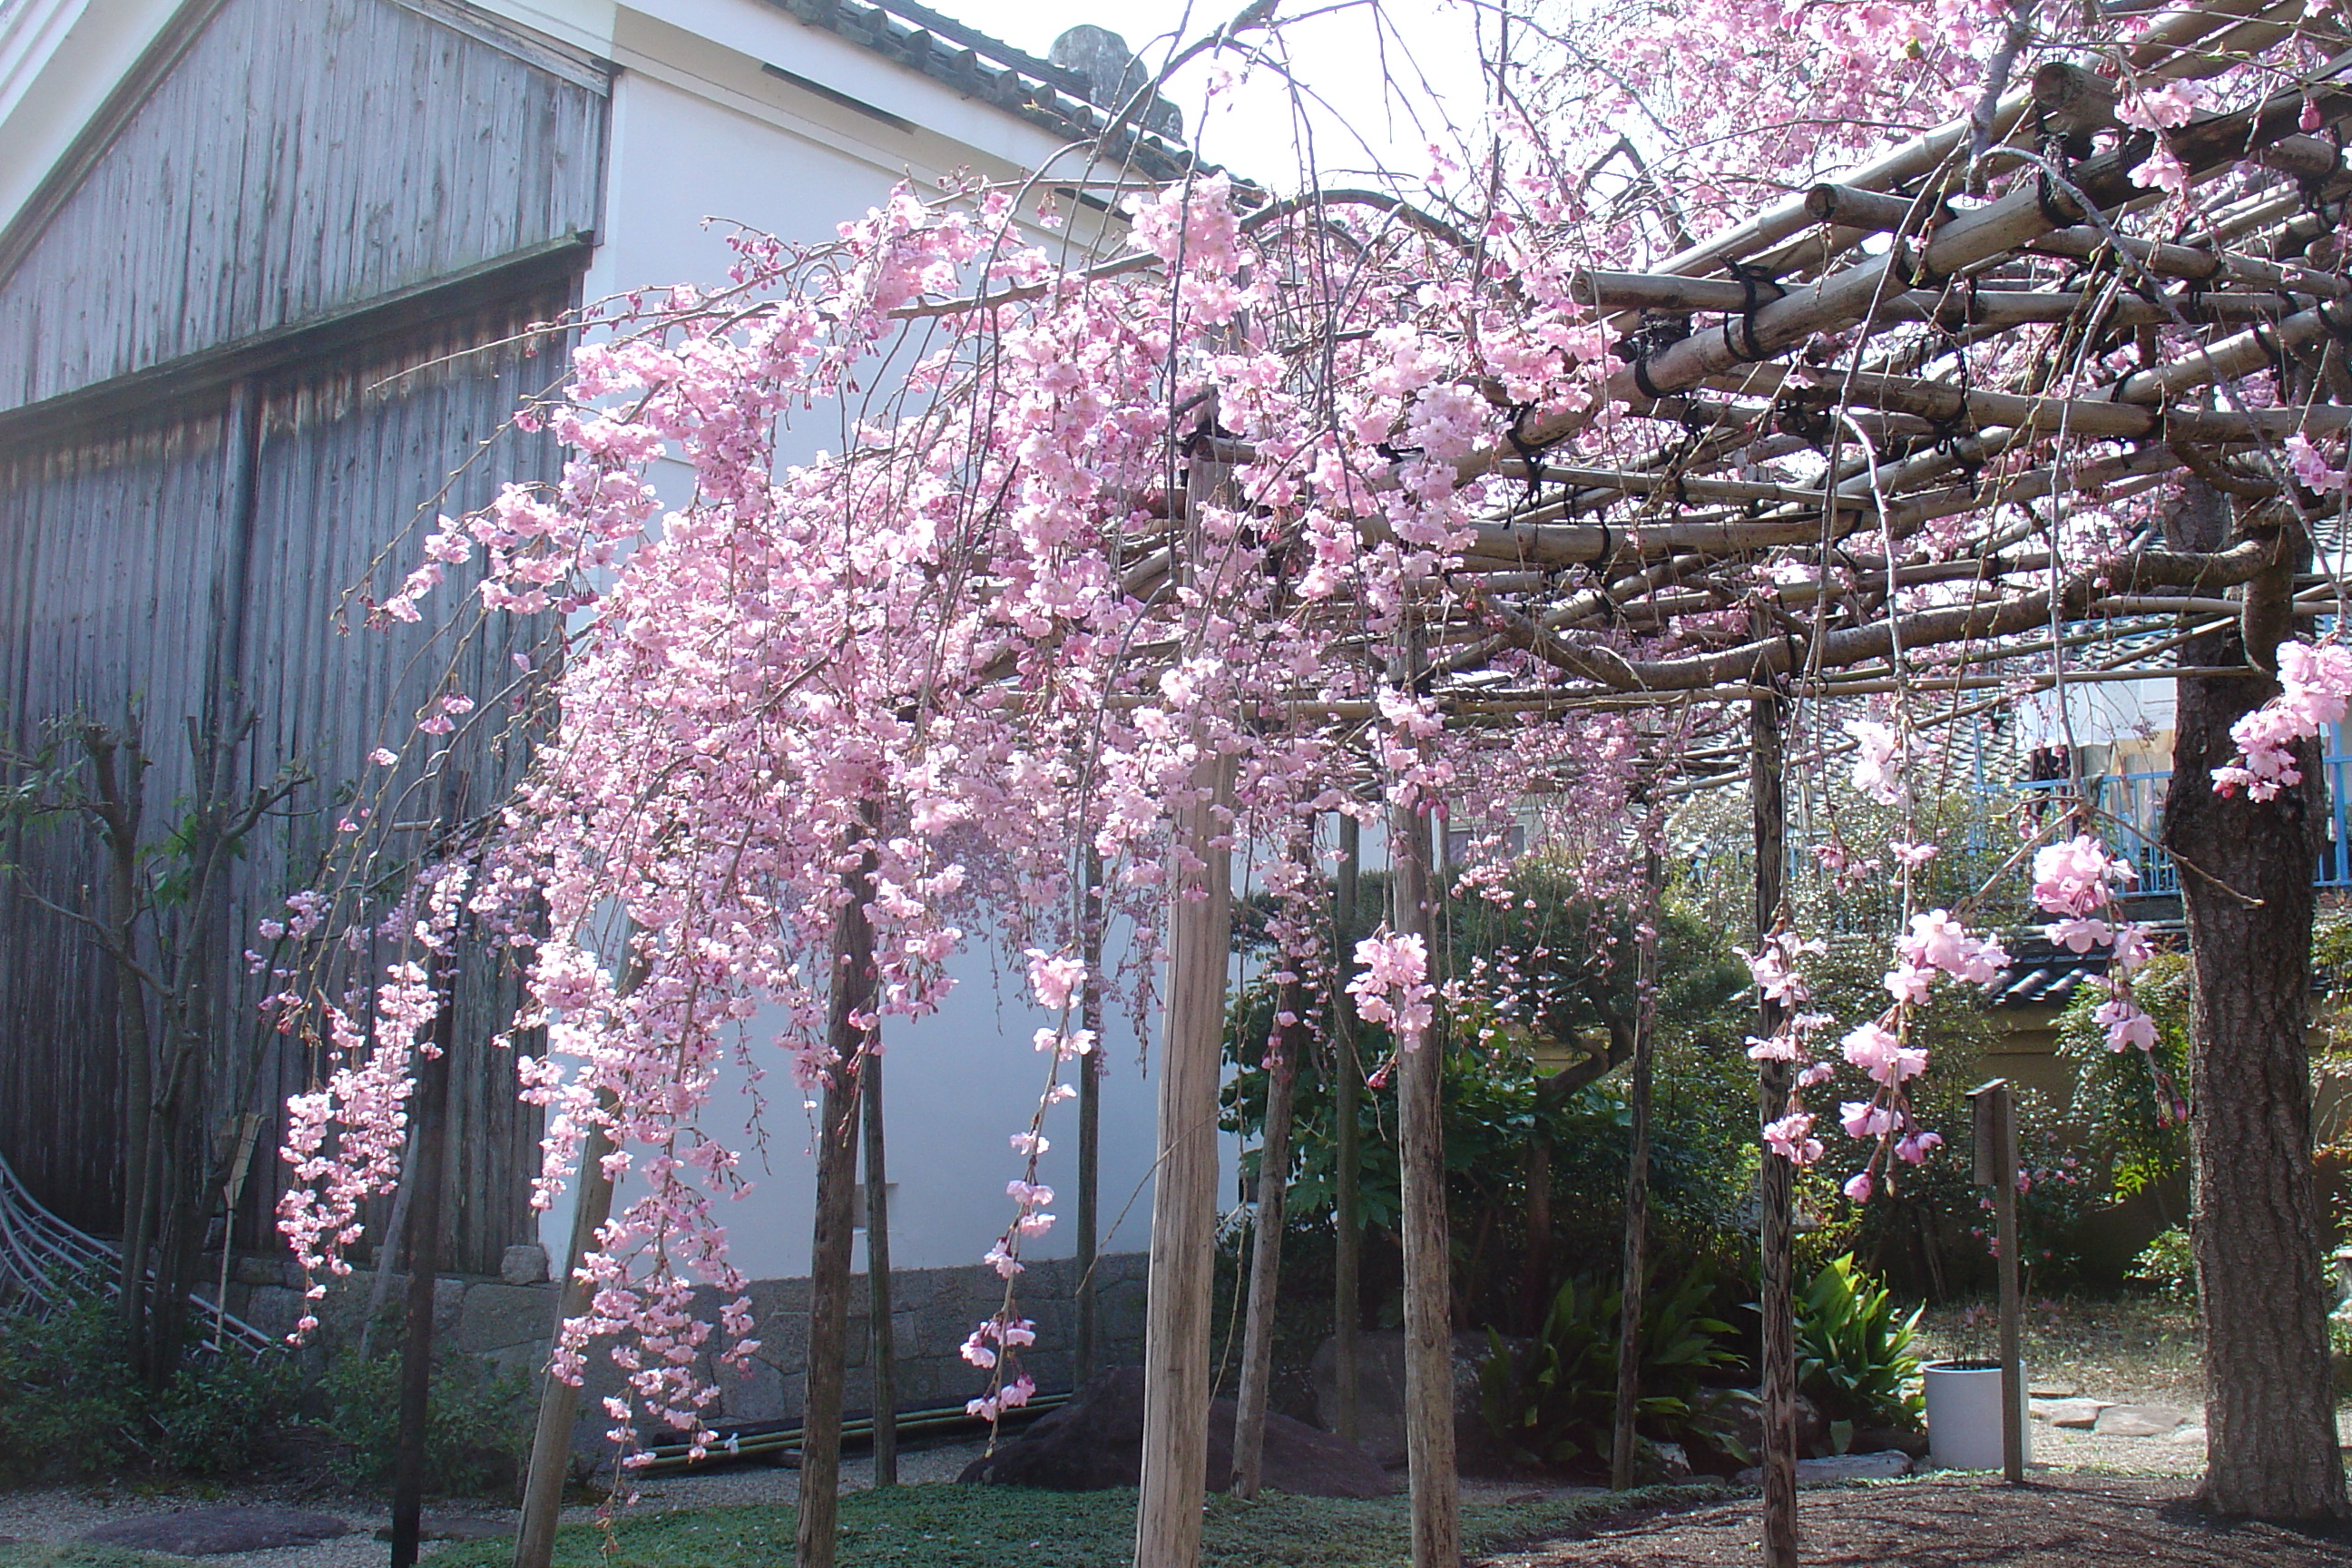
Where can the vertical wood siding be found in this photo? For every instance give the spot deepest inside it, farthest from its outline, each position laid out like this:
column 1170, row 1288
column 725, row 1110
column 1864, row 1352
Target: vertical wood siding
column 111, row 546
column 304, row 155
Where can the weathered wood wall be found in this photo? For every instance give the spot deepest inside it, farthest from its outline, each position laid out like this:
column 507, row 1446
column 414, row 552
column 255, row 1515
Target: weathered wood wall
column 212, row 420
column 301, row 156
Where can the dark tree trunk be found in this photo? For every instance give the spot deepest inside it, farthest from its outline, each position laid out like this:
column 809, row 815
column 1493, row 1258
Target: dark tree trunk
column 1776, row 1177
column 1347, row 1090
column 817, row 1537
column 2246, row 870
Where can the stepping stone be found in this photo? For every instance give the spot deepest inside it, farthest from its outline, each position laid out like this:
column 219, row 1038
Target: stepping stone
column 455, row 1527
column 2188, row 1434
column 2070, row 1414
column 2138, row 1420
column 2053, row 1391
column 1842, row 1468
column 208, row 1532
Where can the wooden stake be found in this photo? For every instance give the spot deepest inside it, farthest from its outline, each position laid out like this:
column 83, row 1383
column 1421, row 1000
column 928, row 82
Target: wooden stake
column 428, row 1137
column 1776, row 1179
column 1428, row 1261
column 1184, row 1190
column 1282, row 1054
column 1637, row 1200
column 1996, row 1166
column 559, row 1402
column 883, row 1340
column 1090, row 1069
column 836, row 1178
column 1346, row 1159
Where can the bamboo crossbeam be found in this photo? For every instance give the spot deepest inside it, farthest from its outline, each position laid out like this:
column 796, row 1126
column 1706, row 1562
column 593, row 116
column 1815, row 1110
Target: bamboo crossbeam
column 2195, row 263
column 1846, row 297
column 2090, row 417
column 2167, row 50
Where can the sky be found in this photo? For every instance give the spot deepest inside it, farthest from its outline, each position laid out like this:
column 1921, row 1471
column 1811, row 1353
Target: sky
column 1344, row 51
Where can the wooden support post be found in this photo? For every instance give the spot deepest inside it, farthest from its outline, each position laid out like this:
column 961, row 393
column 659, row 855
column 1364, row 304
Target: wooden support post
column 884, row 1344
column 1346, row 1159
column 836, row 1179
column 1776, row 1177
column 1996, row 1167
column 1632, row 1291
column 1428, row 1259
column 429, row 1136
column 1090, row 1071
column 1185, row 1189
column 1282, row 1049
column 559, row 1402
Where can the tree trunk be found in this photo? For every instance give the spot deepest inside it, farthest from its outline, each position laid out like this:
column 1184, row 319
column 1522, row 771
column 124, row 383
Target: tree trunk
column 2246, row 870
column 1090, row 1073
column 1421, row 1157
column 1282, row 1053
column 1184, row 1188
column 877, row 1280
column 829, row 1245
column 1346, row 1159
column 1776, row 1177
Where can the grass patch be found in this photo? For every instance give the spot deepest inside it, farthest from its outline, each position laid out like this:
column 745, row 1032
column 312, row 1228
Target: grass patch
column 984, row 1527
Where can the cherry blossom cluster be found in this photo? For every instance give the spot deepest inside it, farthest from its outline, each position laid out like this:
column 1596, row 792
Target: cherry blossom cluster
column 2315, row 684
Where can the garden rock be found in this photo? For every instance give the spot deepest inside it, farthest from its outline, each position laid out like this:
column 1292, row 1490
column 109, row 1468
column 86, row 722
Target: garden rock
column 1096, row 1442
column 1379, row 1391
column 2069, row 1415
column 1842, row 1468
column 1739, row 1414
column 455, row 1527
column 209, row 1531
column 524, row 1264
column 2137, row 1420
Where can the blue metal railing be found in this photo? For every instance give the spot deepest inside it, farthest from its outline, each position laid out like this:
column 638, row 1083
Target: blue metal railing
column 2131, row 807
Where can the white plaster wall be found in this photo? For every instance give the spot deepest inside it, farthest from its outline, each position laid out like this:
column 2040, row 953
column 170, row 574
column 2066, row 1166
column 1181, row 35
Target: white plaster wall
column 697, row 132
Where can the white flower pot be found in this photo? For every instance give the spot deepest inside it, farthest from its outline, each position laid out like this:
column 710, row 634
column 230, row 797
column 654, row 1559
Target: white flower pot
column 1964, row 1416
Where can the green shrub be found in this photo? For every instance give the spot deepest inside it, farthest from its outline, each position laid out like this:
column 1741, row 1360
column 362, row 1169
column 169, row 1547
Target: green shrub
column 2168, row 1268
column 1854, row 1354
column 69, row 1405
column 1554, row 1400
column 476, row 1425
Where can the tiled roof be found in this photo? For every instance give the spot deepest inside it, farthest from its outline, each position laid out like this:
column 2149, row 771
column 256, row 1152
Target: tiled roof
column 1055, row 98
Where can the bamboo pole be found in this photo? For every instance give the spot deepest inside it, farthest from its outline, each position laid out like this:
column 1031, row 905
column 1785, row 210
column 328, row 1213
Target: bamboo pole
column 883, row 1332
column 816, row 1540
column 1775, row 1176
column 1346, row 1159
column 1185, row 1189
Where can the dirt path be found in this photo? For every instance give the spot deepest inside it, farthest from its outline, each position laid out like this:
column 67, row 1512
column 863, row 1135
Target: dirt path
column 2072, row 1522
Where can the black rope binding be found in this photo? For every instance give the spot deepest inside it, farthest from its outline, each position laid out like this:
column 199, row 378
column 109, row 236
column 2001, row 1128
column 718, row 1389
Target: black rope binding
column 1750, row 349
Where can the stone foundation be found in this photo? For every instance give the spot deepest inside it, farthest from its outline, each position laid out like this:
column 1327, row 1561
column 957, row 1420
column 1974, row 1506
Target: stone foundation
column 507, row 1327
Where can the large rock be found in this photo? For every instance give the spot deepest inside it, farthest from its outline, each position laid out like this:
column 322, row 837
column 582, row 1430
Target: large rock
column 2138, row 1420
column 1842, row 1468
column 1096, row 1442
column 2069, row 1415
column 208, row 1532
column 1738, row 1415
column 1379, row 1391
